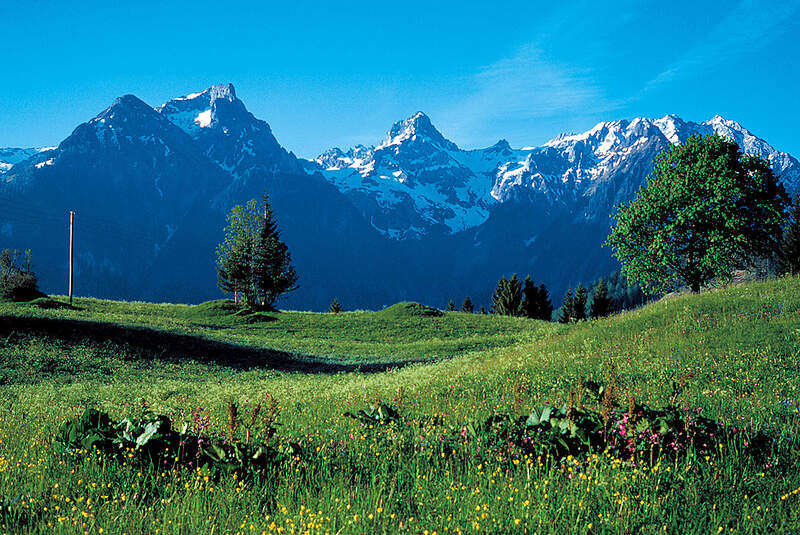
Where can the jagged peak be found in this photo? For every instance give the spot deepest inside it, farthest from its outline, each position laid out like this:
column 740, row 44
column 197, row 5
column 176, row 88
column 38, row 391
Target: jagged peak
column 215, row 92
column 417, row 125
column 501, row 144
column 222, row 91
column 198, row 111
column 719, row 120
column 333, row 151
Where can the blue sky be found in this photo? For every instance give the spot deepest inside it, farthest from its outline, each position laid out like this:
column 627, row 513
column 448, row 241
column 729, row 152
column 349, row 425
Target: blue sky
column 339, row 73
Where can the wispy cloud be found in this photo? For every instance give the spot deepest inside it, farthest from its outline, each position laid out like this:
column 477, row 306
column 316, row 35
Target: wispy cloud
column 526, row 86
column 748, row 27
column 537, row 83
column 533, row 86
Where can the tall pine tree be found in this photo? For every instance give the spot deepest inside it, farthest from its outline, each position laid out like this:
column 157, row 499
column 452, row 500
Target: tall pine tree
column 579, row 302
column 467, row 305
column 507, row 297
column 530, row 299
column 545, row 305
column 566, row 313
column 601, row 302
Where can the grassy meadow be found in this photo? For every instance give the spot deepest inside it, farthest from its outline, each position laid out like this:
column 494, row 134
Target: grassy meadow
column 731, row 354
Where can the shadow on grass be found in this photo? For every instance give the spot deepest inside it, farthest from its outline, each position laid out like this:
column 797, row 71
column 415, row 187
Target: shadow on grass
column 153, row 344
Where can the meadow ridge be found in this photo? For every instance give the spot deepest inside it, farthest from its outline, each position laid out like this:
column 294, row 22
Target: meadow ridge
column 731, row 354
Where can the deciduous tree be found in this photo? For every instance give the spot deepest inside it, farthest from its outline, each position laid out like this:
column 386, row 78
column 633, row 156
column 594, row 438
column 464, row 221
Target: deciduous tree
column 706, row 210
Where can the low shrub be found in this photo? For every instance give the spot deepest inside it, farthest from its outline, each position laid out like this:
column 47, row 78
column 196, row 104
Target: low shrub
column 17, row 280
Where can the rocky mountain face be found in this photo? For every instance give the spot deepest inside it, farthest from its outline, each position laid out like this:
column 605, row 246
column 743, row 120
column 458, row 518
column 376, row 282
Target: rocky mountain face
column 417, row 183
column 410, row 184
column 11, row 156
column 132, row 177
column 228, row 134
column 414, row 217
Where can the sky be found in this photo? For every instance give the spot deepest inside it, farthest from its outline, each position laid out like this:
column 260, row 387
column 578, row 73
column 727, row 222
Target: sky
column 326, row 74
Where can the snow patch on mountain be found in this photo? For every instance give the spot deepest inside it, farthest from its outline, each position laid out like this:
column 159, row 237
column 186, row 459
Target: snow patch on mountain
column 416, row 181
column 230, row 135
column 203, row 119
column 413, row 182
column 11, row 156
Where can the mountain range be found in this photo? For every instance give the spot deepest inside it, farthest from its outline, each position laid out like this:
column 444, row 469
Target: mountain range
column 413, row 217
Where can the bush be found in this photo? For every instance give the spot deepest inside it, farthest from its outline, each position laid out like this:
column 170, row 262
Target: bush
column 17, row 280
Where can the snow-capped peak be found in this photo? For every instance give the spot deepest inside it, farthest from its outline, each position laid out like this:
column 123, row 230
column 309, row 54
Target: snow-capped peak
column 222, row 91
column 416, row 127
column 216, row 91
column 671, row 126
column 749, row 143
column 197, row 111
column 605, row 137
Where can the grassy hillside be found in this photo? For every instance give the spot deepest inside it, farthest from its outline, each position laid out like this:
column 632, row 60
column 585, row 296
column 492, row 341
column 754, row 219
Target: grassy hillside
column 737, row 350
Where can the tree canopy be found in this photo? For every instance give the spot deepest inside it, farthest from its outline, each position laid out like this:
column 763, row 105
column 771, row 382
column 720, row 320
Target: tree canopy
column 252, row 260
column 706, row 209
column 789, row 257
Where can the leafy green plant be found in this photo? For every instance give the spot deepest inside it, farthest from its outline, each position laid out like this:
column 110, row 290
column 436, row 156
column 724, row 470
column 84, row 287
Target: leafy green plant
column 377, row 415
column 151, row 440
column 93, row 429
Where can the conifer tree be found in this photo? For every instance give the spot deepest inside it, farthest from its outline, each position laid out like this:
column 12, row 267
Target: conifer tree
column 507, row 297
column 234, row 254
column 579, row 303
column 601, row 303
column 790, row 243
column 483, row 310
column 451, row 306
column 567, row 311
column 545, row 304
column 335, row 307
column 499, row 293
column 530, row 299
column 467, row 305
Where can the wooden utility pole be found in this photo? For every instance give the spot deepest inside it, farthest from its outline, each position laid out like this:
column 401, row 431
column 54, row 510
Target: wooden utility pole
column 71, row 226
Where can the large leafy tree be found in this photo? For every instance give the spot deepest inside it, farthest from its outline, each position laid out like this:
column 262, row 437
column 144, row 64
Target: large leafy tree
column 790, row 244
column 706, row 210
column 252, row 260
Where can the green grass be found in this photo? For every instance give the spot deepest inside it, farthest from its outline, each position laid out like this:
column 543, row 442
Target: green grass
column 399, row 333
column 740, row 345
